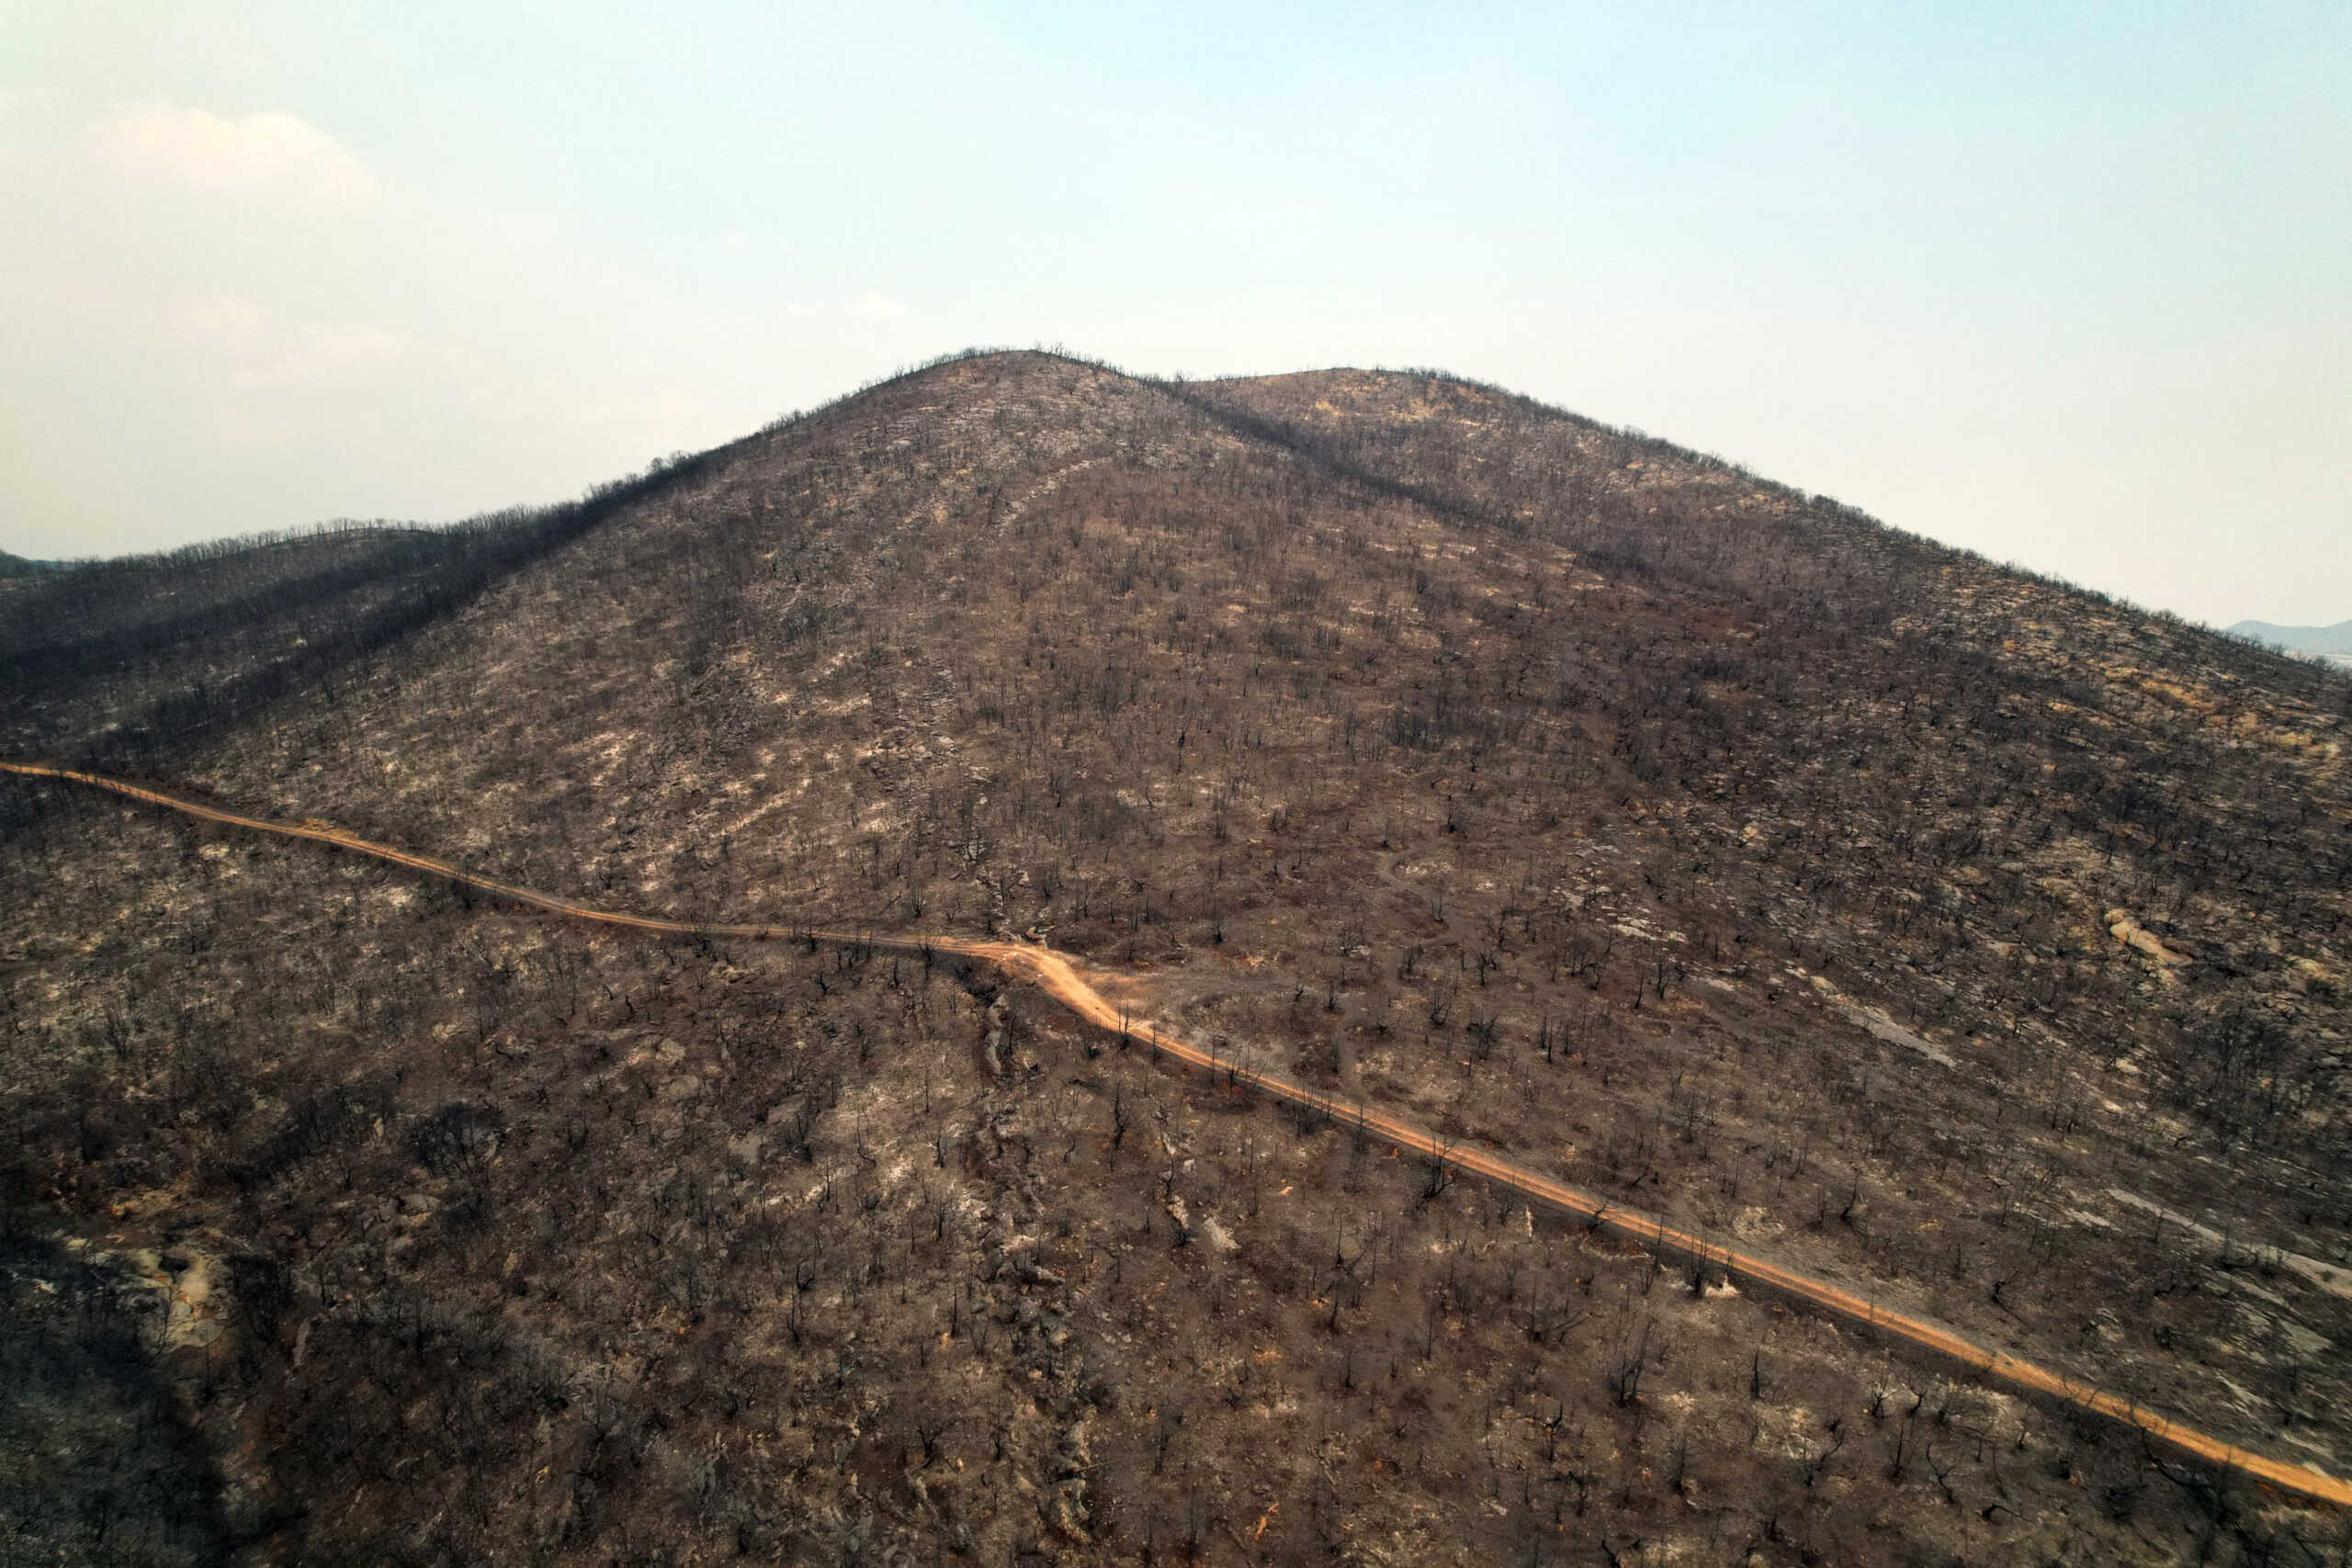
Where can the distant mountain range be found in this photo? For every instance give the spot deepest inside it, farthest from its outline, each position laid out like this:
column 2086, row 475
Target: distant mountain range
column 18, row 566
column 2332, row 643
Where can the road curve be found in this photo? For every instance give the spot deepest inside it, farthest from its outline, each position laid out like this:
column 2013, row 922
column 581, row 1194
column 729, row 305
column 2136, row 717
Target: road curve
column 1055, row 974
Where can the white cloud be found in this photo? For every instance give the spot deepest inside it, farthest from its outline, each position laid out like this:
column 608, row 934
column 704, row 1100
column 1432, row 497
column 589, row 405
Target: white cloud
column 205, row 151
column 226, row 325
column 868, row 306
column 256, row 348
column 322, row 353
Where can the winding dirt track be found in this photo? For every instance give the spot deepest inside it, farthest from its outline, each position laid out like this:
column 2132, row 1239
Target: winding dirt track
column 1059, row 976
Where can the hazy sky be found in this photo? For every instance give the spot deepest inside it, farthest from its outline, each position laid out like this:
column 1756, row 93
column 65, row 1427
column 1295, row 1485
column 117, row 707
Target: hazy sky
column 2066, row 285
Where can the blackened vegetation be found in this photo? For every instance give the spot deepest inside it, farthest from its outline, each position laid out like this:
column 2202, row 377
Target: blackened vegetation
column 112, row 663
column 1947, row 931
column 1903, row 706
column 458, row 1136
column 724, row 1266
column 98, row 1463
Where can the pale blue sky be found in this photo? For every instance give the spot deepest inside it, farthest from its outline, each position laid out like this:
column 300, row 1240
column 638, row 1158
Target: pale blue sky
column 2066, row 285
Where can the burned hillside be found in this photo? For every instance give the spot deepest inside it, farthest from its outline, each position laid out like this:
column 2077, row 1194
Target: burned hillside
column 1955, row 934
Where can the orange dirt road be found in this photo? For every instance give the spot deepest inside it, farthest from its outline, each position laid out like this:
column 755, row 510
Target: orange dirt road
column 1061, row 977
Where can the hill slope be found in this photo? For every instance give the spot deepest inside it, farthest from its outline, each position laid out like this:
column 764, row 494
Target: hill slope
column 1947, row 931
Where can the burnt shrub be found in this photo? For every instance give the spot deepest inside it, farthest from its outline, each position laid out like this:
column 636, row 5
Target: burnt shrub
column 458, row 1137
